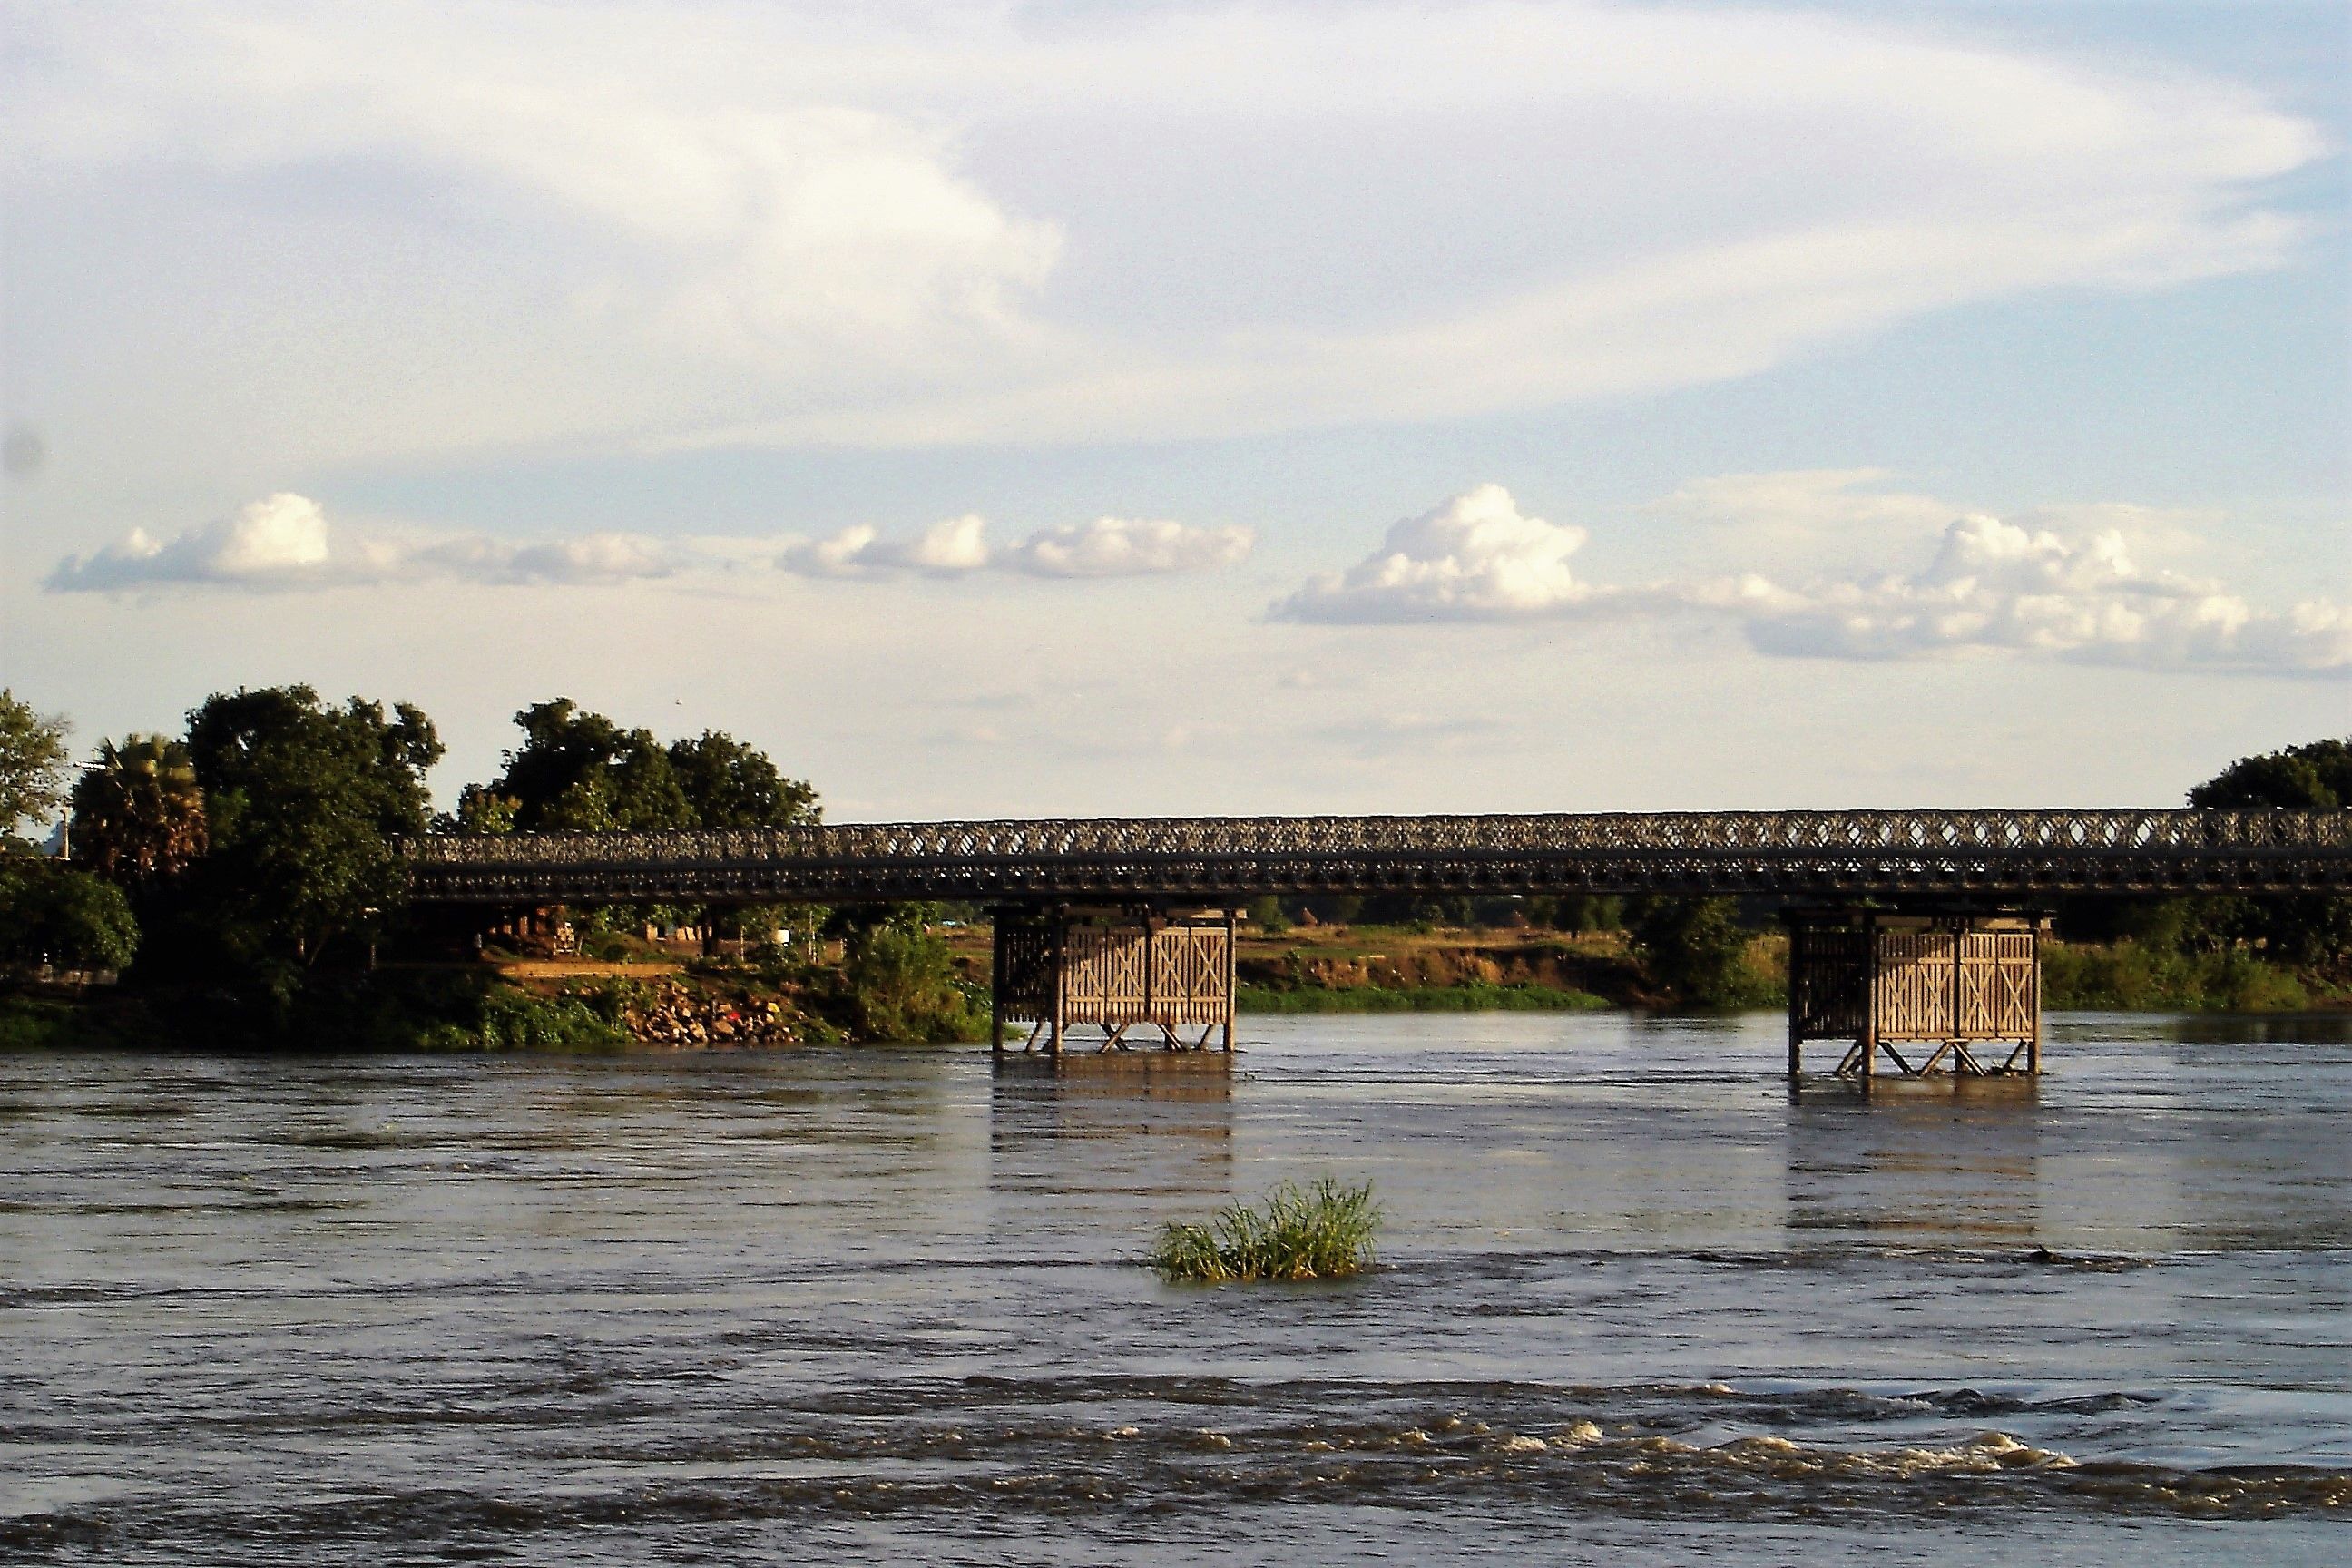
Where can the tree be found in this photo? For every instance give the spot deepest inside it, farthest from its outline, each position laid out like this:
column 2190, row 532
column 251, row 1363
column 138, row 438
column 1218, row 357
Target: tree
column 34, row 763
column 51, row 914
column 306, row 805
column 728, row 784
column 2297, row 929
column 2316, row 776
column 481, row 809
column 579, row 771
column 1266, row 915
column 139, row 813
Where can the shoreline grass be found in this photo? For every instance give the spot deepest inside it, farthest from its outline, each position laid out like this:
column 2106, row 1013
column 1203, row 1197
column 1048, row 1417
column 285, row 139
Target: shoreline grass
column 1322, row 1232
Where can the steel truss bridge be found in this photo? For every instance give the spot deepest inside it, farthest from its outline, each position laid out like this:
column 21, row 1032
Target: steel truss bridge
column 1953, row 856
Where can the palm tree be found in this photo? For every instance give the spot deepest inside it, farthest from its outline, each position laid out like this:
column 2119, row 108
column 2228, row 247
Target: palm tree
column 138, row 812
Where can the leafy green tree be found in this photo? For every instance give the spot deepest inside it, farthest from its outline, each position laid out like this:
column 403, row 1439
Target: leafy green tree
column 34, row 763
column 139, row 813
column 1587, row 912
column 578, row 772
column 53, row 914
column 306, row 804
column 730, row 785
column 1696, row 950
column 1266, row 915
column 2316, row 776
column 482, row 809
column 2294, row 928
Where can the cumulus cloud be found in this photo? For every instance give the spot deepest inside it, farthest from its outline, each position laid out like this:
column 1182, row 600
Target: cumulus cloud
column 1478, row 557
column 282, row 542
column 1995, row 586
column 280, row 538
column 1106, row 547
column 1989, row 587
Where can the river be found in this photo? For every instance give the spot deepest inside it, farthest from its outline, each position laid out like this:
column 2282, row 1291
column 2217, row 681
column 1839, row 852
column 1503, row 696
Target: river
column 883, row 1304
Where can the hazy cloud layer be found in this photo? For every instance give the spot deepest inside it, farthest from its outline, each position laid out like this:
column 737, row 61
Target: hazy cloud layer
column 281, row 542
column 1989, row 586
column 1128, row 547
column 1106, row 547
column 944, row 548
column 906, row 225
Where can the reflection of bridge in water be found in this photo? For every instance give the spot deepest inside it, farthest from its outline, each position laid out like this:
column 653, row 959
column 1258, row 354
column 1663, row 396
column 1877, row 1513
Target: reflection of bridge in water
column 1910, row 931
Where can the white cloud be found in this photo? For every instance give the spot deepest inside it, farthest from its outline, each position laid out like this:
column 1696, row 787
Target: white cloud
column 1994, row 586
column 1474, row 558
column 280, row 538
column 1126, row 547
column 903, row 225
column 1106, row 547
column 282, row 542
column 1989, row 587
column 945, row 549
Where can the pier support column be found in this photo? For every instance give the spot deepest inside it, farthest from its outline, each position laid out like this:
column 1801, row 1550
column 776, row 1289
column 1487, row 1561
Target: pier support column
column 1943, row 987
column 1131, row 974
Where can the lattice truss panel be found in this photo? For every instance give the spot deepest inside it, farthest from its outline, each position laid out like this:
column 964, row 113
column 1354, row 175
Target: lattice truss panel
column 1976, row 853
column 1114, row 977
column 1881, row 982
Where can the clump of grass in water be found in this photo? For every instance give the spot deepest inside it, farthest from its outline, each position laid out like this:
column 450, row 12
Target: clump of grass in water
column 1322, row 1232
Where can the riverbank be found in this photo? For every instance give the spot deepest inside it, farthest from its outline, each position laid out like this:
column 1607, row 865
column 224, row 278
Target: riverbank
column 1340, row 969
column 936, row 988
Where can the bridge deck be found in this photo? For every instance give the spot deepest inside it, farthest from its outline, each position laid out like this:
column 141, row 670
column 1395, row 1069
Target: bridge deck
column 1974, row 855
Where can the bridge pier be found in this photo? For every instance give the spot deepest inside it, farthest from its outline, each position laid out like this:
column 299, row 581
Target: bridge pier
column 1118, row 970
column 1944, row 986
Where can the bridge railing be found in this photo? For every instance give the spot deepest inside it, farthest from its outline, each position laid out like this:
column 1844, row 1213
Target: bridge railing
column 1775, row 850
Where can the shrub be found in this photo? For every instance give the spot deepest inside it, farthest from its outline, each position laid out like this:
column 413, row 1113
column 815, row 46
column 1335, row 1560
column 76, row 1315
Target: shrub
column 900, row 986
column 2126, row 976
column 1696, row 952
column 1323, row 1232
column 52, row 914
column 506, row 1018
column 1477, row 996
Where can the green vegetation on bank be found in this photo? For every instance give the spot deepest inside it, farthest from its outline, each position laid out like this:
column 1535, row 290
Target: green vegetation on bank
column 1470, row 996
column 244, row 877
column 1322, row 1232
column 2125, row 976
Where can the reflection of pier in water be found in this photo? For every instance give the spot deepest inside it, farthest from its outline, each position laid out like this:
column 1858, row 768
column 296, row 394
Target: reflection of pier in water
column 1952, row 1161
column 1149, row 1122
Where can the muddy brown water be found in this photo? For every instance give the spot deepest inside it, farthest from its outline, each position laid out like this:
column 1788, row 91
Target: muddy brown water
column 881, row 1305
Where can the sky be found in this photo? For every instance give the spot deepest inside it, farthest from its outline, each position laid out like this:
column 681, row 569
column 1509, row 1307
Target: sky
column 1104, row 408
